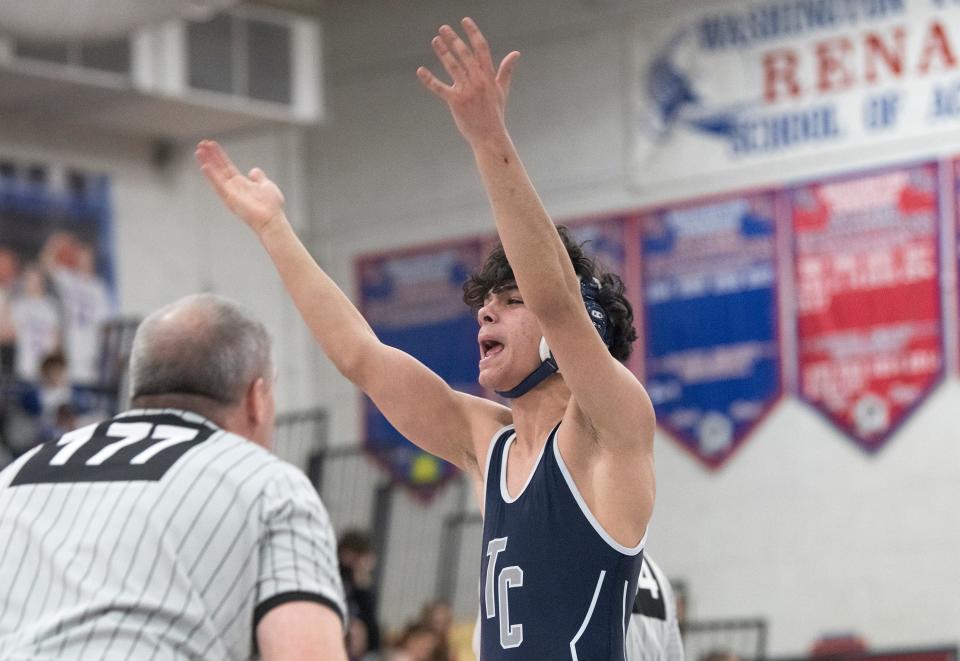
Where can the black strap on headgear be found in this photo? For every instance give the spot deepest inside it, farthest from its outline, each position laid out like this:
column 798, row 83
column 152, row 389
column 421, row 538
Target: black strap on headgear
column 590, row 291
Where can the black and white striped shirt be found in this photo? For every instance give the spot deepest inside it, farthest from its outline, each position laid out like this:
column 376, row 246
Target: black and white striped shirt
column 654, row 633
column 155, row 535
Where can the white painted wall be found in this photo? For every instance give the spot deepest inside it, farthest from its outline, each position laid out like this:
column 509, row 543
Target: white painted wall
column 800, row 527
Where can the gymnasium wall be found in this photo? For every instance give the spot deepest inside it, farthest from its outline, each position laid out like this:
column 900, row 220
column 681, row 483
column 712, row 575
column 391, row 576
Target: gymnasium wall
column 800, row 526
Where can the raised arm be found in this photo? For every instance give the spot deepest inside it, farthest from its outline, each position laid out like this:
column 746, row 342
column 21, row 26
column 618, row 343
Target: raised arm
column 604, row 391
column 416, row 401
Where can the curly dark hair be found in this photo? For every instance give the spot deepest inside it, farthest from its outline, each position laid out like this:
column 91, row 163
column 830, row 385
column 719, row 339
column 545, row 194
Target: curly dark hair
column 496, row 274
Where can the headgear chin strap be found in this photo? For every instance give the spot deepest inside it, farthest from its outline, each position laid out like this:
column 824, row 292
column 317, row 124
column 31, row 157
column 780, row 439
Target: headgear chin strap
column 590, row 291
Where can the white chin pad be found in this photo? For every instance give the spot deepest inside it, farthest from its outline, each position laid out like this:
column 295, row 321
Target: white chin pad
column 544, row 349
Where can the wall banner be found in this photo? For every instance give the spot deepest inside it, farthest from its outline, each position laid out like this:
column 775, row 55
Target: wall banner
column 738, row 83
column 604, row 240
column 56, row 270
column 955, row 236
column 413, row 301
column 869, row 314
column 713, row 366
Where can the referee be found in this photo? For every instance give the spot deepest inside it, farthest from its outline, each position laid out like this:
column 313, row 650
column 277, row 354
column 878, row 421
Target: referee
column 170, row 531
column 654, row 633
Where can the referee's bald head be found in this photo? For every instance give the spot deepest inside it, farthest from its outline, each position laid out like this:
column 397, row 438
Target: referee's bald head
column 202, row 349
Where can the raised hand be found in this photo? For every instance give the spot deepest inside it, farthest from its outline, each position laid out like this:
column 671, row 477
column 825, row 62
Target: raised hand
column 253, row 197
column 478, row 94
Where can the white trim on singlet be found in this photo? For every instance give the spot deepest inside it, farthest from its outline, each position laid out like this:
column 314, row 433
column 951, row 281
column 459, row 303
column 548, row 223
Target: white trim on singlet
column 614, row 544
column 504, row 493
column 493, row 442
column 586, row 620
column 623, row 617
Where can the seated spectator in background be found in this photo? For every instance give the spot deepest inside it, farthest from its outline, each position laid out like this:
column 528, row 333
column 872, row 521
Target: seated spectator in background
column 417, row 643
column 9, row 268
column 838, row 646
column 357, row 645
column 64, row 420
column 438, row 617
column 36, row 322
column 54, row 389
column 53, row 404
column 5, row 457
column 84, row 299
column 720, row 655
column 357, row 564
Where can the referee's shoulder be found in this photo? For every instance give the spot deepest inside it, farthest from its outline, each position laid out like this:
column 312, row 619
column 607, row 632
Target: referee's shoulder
column 260, row 468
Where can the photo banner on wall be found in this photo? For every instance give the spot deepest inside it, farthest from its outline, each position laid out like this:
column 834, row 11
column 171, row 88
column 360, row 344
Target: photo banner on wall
column 712, row 356
column 747, row 82
column 869, row 319
column 57, row 286
column 413, row 301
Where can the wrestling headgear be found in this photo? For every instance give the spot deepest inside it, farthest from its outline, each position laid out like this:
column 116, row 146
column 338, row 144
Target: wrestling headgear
column 590, row 291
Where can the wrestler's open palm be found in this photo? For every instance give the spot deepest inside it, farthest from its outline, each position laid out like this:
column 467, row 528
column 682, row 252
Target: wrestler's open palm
column 253, row 197
column 478, row 95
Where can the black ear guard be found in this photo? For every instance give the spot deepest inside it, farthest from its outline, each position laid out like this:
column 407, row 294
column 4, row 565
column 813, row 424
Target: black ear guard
column 590, row 291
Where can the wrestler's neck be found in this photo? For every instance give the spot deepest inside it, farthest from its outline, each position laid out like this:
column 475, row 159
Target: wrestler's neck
column 536, row 413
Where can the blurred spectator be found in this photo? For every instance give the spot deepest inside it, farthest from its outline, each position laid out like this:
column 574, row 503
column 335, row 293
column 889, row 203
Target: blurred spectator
column 720, row 655
column 358, row 648
column 9, row 268
column 438, row 617
column 418, row 643
column 53, row 388
column 838, row 646
column 36, row 322
column 53, row 404
column 71, row 264
column 357, row 565
column 5, row 457
column 64, row 420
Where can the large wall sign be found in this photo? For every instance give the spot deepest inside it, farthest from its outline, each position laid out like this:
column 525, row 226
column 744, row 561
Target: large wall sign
column 740, row 82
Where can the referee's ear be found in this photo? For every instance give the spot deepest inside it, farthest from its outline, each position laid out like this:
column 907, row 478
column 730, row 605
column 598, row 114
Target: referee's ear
column 260, row 411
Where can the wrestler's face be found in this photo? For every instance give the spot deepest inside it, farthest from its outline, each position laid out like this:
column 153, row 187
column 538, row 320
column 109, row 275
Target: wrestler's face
column 509, row 339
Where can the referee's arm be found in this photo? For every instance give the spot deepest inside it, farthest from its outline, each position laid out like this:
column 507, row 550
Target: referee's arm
column 301, row 631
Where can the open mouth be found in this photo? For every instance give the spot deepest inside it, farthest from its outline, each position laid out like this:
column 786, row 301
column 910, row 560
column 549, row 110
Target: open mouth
column 490, row 348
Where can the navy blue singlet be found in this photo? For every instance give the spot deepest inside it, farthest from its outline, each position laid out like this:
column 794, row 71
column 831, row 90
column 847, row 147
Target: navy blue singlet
column 553, row 584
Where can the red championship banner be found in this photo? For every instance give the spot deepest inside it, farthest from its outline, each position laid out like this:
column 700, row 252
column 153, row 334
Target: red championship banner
column 869, row 314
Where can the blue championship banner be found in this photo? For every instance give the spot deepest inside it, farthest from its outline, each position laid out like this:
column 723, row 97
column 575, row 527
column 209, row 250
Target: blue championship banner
column 713, row 366
column 413, row 301
column 604, row 239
